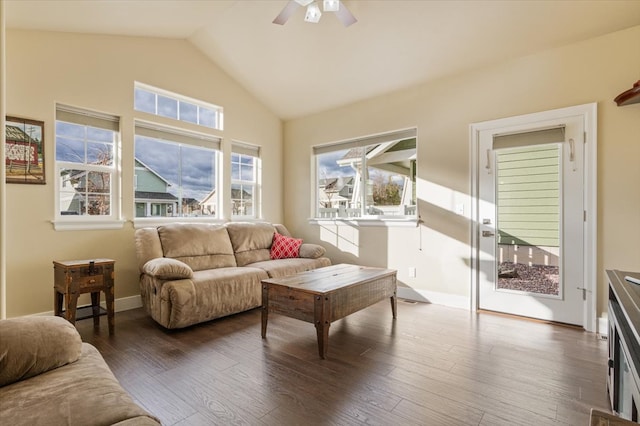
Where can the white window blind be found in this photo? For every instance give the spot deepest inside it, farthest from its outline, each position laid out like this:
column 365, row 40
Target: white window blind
column 151, row 130
column 87, row 118
column 245, row 149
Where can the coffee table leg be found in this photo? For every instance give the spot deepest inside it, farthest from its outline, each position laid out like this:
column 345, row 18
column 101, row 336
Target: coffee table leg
column 322, row 320
column 394, row 305
column 322, row 329
column 265, row 309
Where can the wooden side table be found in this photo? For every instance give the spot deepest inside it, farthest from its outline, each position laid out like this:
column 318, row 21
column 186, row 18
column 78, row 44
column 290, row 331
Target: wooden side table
column 74, row 277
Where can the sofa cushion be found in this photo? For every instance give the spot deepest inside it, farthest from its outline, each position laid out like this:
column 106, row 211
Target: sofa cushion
column 285, row 247
column 165, row 268
column 283, row 267
column 311, row 251
column 212, row 294
column 32, row 345
column 199, row 245
column 251, row 241
column 84, row 392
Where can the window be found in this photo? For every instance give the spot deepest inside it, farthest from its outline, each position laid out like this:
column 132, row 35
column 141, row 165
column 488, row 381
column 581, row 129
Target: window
column 172, row 105
column 175, row 172
column 86, row 164
column 372, row 177
column 245, row 168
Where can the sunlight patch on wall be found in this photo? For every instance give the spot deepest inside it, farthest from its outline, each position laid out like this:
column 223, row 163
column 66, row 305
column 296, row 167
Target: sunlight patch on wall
column 443, row 197
column 342, row 236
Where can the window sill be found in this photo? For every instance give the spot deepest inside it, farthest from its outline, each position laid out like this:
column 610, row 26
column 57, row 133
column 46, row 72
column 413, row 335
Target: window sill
column 87, row 224
column 403, row 222
column 144, row 222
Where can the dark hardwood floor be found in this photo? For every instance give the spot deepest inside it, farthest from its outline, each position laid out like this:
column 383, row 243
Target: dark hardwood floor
column 433, row 365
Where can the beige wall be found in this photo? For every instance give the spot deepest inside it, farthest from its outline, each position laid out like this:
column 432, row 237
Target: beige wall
column 592, row 71
column 97, row 72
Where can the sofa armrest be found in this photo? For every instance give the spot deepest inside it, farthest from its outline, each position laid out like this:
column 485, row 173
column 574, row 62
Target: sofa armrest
column 311, row 251
column 165, row 268
column 33, row 345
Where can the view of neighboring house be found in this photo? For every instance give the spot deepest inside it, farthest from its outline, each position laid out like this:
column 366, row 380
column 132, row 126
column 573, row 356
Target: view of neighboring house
column 241, row 203
column 336, row 192
column 81, row 193
column 191, row 207
column 152, row 196
column 389, row 181
column 528, row 190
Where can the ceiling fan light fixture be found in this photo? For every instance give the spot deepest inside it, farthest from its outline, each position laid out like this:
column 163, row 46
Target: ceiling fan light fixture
column 304, row 2
column 331, row 5
column 313, row 13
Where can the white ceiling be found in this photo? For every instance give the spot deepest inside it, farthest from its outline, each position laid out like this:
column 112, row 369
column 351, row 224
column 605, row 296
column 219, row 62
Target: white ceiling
column 302, row 68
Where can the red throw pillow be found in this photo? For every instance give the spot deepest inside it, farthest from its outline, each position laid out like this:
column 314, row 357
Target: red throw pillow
column 285, row 247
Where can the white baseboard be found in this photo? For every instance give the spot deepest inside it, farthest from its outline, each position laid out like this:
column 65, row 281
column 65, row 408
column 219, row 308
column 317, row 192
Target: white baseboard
column 603, row 326
column 451, row 300
column 122, row 304
column 127, row 303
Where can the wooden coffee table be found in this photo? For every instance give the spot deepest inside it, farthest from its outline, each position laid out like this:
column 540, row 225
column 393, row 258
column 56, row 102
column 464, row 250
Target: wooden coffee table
column 324, row 295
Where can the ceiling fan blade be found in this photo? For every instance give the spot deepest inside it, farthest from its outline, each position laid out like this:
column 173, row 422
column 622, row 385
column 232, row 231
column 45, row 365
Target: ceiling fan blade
column 286, row 13
column 345, row 16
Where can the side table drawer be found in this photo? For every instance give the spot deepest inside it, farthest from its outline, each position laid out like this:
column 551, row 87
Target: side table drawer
column 90, row 282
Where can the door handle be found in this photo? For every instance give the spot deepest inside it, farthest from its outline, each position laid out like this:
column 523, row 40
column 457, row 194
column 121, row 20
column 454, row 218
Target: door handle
column 487, row 234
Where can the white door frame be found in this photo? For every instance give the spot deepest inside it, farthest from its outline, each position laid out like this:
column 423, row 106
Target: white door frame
column 589, row 114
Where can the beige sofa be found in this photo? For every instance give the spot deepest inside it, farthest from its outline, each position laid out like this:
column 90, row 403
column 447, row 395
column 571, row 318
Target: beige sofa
column 49, row 377
column 196, row 272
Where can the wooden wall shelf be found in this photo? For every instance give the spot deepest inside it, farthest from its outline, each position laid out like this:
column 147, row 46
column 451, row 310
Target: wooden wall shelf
column 631, row 96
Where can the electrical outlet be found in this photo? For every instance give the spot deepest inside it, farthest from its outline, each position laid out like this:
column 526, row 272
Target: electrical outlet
column 412, row 271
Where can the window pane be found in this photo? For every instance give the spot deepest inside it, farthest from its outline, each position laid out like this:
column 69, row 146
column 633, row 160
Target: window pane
column 242, row 167
column 169, row 175
column 207, row 118
column 98, row 204
column 175, row 106
column 70, row 150
column 246, row 172
column 167, row 107
column 335, row 182
column 242, row 200
column 99, row 135
column 70, row 130
column 384, row 192
column 100, row 153
column 82, row 190
column 235, row 167
column 198, row 172
column 188, row 112
column 70, row 198
column 387, row 171
column 144, row 101
column 85, row 193
column 99, row 182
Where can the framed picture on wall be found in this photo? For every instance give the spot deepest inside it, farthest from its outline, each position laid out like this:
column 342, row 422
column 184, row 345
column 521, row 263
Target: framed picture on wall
column 24, row 156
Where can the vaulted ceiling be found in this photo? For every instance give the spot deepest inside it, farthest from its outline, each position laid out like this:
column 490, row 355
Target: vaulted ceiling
column 301, row 68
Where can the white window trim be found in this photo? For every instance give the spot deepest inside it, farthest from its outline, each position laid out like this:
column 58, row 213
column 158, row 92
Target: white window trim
column 362, row 221
column 249, row 150
column 185, row 137
column 88, row 222
column 87, row 225
column 178, row 97
column 401, row 222
column 145, row 222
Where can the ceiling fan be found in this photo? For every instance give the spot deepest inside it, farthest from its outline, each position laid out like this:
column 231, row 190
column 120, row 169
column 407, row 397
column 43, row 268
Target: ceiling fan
column 313, row 13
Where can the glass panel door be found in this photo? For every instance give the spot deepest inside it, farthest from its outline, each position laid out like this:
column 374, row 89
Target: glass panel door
column 528, row 219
